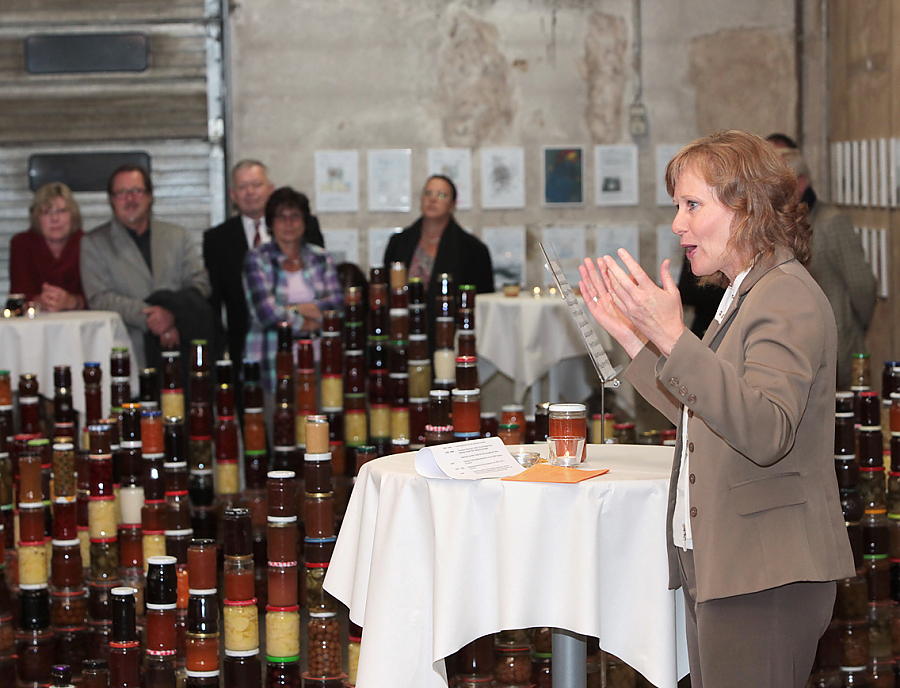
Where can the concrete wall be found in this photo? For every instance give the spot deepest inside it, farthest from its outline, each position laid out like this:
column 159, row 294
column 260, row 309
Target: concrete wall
column 369, row 74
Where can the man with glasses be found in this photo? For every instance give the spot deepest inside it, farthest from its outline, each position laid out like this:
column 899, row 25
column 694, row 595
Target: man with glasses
column 147, row 270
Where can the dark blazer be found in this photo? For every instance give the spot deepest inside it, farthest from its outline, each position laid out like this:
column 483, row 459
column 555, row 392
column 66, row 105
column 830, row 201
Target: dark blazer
column 759, row 389
column 460, row 254
column 224, row 249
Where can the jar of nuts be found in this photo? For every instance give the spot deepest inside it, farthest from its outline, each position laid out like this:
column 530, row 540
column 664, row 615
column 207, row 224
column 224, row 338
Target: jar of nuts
column 512, row 665
column 324, row 633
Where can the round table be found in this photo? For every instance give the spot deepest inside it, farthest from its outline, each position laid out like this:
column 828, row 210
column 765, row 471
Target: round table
column 68, row 338
column 530, row 339
column 427, row 565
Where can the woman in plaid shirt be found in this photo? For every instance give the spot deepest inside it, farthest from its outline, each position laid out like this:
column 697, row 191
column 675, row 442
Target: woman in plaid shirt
column 286, row 279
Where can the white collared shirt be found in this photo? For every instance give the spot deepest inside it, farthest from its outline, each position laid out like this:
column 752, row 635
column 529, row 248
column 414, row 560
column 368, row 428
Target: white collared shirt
column 250, row 229
column 681, row 522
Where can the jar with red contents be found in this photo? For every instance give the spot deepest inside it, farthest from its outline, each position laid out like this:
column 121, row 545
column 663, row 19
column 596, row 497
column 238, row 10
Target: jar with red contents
column 568, row 420
column 172, row 392
column 282, row 554
column 418, row 346
column 418, row 421
column 466, row 408
column 29, row 408
column 490, row 427
column 318, row 514
column 466, row 372
column 332, row 353
column 355, row 372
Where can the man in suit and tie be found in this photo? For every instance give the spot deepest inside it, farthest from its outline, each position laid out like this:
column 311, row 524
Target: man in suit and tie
column 147, row 270
column 225, row 247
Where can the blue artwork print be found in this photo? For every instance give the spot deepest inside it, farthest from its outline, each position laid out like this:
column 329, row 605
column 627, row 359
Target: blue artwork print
column 563, row 175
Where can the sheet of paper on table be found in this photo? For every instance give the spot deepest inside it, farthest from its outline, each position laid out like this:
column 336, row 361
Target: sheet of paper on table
column 467, row 460
column 545, row 473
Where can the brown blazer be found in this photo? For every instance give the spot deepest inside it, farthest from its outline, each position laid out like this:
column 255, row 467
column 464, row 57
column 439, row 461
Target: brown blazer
column 759, row 389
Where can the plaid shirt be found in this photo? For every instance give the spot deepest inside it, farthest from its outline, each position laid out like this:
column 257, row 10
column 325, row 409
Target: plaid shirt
column 266, row 290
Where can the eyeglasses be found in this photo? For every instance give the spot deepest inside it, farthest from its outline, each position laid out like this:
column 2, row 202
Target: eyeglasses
column 436, row 194
column 55, row 212
column 122, row 193
column 289, row 217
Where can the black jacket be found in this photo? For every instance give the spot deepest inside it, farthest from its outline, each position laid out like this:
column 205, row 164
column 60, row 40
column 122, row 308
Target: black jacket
column 460, row 254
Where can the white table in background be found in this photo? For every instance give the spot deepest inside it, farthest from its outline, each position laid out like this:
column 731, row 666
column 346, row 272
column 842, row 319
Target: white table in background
column 426, row 566
column 69, row 338
column 527, row 338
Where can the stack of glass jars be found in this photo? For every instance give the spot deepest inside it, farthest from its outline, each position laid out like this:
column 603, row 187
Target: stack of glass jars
column 377, row 354
column 419, row 364
column 226, row 435
column 282, row 610
column 64, row 423
column 324, row 645
column 241, row 666
column 444, row 357
column 202, row 647
column 93, row 397
column 255, row 469
column 162, row 598
column 68, row 595
column 179, row 531
column 333, row 386
column 131, row 503
column 153, row 512
column 306, row 400
column 356, row 426
column 102, row 521
column 172, row 390
column 204, row 512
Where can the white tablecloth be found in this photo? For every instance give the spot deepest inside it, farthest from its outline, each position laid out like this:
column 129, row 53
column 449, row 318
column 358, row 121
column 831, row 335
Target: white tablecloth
column 526, row 338
column 426, row 566
column 69, row 338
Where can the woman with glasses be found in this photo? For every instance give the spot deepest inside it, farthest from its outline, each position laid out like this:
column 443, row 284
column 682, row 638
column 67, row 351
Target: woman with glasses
column 286, row 279
column 43, row 260
column 435, row 244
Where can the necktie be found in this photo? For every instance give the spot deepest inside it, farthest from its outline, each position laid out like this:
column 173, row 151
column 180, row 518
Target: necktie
column 257, row 237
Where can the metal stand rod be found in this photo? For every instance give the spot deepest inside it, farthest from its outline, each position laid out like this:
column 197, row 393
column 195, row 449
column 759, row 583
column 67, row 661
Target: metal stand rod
column 569, row 659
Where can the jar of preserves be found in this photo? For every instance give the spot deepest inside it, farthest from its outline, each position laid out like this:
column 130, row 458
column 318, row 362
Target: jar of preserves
column 466, row 409
column 324, row 645
column 241, row 621
column 512, row 665
column 283, row 632
column 317, row 600
column 318, row 514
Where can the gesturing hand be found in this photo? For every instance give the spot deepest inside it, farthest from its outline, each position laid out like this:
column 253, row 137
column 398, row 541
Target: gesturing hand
column 604, row 309
column 656, row 313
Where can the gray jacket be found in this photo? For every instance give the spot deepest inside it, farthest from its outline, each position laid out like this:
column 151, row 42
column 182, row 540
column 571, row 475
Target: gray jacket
column 116, row 278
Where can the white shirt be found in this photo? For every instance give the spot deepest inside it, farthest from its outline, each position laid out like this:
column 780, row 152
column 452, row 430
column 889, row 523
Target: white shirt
column 250, row 230
column 681, row 521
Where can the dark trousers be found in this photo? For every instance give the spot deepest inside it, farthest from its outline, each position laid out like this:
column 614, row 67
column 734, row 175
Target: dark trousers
column 765, row 639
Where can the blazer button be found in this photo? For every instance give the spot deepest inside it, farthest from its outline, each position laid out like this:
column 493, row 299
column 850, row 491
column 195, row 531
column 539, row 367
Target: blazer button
column 683, row 391
column 673, row 382
column 692, row 478
column 693, row 511
column 692, row 399
column 690, row 446
column 691, row 412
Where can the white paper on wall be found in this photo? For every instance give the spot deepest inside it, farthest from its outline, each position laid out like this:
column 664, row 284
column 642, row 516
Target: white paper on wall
column 507, row 249
column 616, row 179
column 337, row 181
column 342, row 244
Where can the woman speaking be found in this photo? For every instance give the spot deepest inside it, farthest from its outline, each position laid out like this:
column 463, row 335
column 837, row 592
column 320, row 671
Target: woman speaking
column 755, row 530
